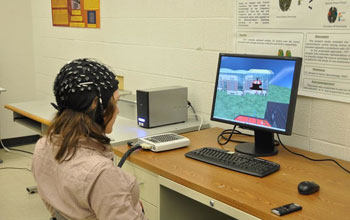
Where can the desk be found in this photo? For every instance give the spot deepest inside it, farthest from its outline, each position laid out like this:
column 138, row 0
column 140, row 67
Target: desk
column 175, row 178
column 37, row 115
column 1, row 90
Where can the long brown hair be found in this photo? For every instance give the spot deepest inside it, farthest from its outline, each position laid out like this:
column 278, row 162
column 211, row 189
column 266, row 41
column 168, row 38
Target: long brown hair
column 69, row 126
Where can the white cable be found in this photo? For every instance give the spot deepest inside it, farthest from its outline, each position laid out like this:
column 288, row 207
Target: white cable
column 201, row 123
column 5, row 148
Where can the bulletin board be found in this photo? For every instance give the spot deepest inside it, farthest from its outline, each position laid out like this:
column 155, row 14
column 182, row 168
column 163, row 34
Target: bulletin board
column 76, row 13
column 317, row 31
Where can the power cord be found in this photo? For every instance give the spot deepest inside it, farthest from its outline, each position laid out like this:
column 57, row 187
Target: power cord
column 8, row 150
column 3, row 146
column 196, row 115
column 15, row 168
column 201, row 123
column 309, row 158
column 28, row 152
column 194, row 111
column 230, row 132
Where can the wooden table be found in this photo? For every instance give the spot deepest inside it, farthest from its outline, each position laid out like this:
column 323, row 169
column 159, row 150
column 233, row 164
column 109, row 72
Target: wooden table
column 253, row 195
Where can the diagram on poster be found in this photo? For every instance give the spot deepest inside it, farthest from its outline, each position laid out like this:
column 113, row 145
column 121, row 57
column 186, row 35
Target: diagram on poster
column 318, row 31
column 76, row 13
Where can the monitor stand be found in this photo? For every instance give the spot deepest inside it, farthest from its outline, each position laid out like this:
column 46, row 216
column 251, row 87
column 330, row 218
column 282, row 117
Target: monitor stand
column 263, row 146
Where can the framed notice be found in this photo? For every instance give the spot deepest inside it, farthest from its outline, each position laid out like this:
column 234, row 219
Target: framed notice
column 76, row 13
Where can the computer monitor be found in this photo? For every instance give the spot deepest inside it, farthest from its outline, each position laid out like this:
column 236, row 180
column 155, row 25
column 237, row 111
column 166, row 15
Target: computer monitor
column 257, row 92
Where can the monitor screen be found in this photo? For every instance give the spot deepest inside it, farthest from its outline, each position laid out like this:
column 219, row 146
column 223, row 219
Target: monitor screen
column 257, row 92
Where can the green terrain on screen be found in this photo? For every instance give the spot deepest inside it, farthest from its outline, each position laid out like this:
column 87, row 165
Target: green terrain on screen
column 230, row 106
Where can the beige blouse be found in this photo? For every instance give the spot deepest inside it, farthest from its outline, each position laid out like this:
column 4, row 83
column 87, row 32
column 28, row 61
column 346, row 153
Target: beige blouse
column 86, row 187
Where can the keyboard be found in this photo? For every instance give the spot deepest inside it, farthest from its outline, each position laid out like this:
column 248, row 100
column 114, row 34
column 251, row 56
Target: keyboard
column 234, row 161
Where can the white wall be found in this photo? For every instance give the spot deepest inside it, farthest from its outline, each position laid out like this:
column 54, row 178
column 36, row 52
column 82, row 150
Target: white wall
column 167, row 42
column 16, row 63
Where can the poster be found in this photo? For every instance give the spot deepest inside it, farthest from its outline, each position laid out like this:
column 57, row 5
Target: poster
column 317, row 31
column 76, row 13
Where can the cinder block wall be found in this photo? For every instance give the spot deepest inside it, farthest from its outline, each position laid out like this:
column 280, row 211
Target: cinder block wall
column 17, row 74
column 167, row 42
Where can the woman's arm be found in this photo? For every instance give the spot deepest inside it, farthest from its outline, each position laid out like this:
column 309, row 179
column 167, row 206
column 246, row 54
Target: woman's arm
column 115, row 195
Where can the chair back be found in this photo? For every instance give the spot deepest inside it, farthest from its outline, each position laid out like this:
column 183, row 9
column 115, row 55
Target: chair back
column 58, row 216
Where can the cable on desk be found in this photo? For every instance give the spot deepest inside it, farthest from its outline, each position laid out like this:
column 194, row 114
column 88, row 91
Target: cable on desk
column 309, row 158
column 230, row 132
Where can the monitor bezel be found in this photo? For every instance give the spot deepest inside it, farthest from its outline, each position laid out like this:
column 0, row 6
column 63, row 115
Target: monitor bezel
column 293, row 96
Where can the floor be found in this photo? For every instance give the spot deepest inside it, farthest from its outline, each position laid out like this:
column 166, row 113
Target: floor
column 15, row 202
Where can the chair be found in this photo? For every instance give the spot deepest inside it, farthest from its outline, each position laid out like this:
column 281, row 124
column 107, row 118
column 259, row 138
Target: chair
column 58, row 216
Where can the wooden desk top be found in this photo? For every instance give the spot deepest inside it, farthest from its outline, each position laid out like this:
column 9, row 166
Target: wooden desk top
column 254, row 195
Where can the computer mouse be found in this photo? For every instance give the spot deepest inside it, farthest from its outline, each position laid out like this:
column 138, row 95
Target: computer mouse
column 308, row 187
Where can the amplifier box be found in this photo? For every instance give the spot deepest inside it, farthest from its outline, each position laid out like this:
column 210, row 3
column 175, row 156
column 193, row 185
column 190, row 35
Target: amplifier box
column 161, row 106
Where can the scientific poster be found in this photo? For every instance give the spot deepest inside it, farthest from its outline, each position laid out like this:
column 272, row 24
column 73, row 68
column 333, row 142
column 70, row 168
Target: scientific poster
column 318, row 31
column 76, row 13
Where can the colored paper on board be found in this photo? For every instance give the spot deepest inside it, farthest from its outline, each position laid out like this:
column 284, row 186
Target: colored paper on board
column 76, row 13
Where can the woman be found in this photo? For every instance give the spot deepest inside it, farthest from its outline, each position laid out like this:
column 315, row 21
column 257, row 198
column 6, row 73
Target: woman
column 72, row 164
